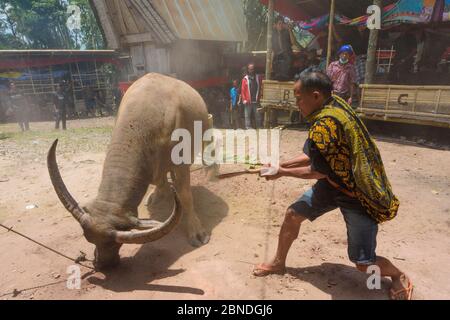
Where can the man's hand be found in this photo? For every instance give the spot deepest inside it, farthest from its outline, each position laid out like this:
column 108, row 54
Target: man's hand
column 350, row 101
column 275, row 177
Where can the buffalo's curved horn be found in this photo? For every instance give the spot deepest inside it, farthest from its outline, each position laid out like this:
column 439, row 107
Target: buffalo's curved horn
column 63, row 194
column 160, row 230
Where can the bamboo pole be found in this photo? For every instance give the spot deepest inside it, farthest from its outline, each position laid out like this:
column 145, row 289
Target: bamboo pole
column 269, row 39
column 330, row 32
column 79, row 75
column 52, row 81
column 372, row 50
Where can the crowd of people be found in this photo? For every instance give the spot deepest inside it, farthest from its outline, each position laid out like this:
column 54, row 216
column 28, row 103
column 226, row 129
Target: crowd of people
column 241, row 108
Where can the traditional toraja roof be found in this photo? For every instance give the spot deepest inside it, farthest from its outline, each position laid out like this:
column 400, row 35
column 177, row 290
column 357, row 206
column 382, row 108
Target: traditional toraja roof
column 121, row 18
column 217, row 20
column 162, row 21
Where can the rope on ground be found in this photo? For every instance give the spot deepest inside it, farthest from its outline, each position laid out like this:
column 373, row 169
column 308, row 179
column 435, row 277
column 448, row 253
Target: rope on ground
column 78, row 260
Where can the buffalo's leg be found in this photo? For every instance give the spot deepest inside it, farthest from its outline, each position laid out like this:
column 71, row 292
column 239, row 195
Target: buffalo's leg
column 196, row 233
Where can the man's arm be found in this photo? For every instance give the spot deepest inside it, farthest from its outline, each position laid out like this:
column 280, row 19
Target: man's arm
column 302, row 173
column 298, row 172
column 300, row 161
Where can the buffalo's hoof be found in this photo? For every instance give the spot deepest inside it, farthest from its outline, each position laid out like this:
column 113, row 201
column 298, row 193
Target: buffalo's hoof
column 199, row 239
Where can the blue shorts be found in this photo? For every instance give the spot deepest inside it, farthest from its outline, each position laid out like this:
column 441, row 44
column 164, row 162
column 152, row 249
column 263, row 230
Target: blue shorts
column 361, row 228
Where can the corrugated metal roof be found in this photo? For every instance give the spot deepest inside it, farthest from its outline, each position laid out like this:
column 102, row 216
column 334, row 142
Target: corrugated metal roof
column 219, row 20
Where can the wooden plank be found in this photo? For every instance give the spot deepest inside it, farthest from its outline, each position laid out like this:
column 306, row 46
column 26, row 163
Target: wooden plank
column 407, row 121
column 118, row 13
column 384, row 86
column 107, row 25
column 269, row 40
column 128, row 17
column 330, row 31
column 137, row 17
column 136, row 38
column 438, row 101
column 410, row 113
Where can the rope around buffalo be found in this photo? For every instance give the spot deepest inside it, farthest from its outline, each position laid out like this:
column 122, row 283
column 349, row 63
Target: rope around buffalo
column 78, row 260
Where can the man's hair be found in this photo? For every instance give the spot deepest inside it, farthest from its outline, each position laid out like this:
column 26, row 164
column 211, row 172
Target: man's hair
column 279, row 19
column 318, row 81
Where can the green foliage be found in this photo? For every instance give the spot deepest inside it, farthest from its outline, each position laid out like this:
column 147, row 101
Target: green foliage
column 256, row 15
column 41, row 24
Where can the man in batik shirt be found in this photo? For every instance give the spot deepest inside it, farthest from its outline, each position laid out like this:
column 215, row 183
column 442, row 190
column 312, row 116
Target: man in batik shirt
column 342, row 156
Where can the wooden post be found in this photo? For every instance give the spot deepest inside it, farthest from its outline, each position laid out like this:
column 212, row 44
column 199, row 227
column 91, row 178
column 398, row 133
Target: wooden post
column 79, row 75
column 51, row 78
column 269, row 39
column 372, row 50
column 96, row 74
column 330, row 32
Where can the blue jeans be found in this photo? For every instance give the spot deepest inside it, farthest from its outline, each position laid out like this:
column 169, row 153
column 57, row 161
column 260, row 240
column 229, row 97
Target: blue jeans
column 250, row 110
column 361, row 228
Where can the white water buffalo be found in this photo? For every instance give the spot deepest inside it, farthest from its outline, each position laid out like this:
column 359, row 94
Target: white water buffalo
column 139, row 155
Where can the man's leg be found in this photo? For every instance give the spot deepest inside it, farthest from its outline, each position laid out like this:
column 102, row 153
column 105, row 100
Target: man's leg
column 400, row 280
column 64, row 119
column 311, row 205
column 235, row 118
column 362, row 233
column 288, row 233
column 57, row 119
column 248, row 114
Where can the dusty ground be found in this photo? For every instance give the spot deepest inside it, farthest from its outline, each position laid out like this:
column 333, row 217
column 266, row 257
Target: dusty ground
column 243, row 214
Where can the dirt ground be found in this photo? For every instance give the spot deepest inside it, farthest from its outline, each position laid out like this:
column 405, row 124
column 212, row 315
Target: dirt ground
column 243, row 214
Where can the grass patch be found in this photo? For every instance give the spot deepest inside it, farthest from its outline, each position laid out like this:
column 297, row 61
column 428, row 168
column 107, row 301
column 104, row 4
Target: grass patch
column 68, row 135
column 4, row 135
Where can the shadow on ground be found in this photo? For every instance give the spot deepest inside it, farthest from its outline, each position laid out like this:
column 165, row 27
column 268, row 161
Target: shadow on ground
column 153, row 260
column 340, row 281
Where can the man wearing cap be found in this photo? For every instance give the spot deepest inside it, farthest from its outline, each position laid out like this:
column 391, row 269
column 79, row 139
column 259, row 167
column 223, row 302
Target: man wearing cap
column 343, row 74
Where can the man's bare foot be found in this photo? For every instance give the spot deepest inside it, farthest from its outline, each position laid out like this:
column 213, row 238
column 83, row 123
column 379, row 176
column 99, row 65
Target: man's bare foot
column 402, row 288
column 265, row 269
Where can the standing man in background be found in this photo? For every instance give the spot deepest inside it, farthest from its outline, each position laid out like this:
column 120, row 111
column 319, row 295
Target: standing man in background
column 282, row 51
column 20, row 106
column 235, row 98
column 60, row 103
column 343, row 75
column 251, row 93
